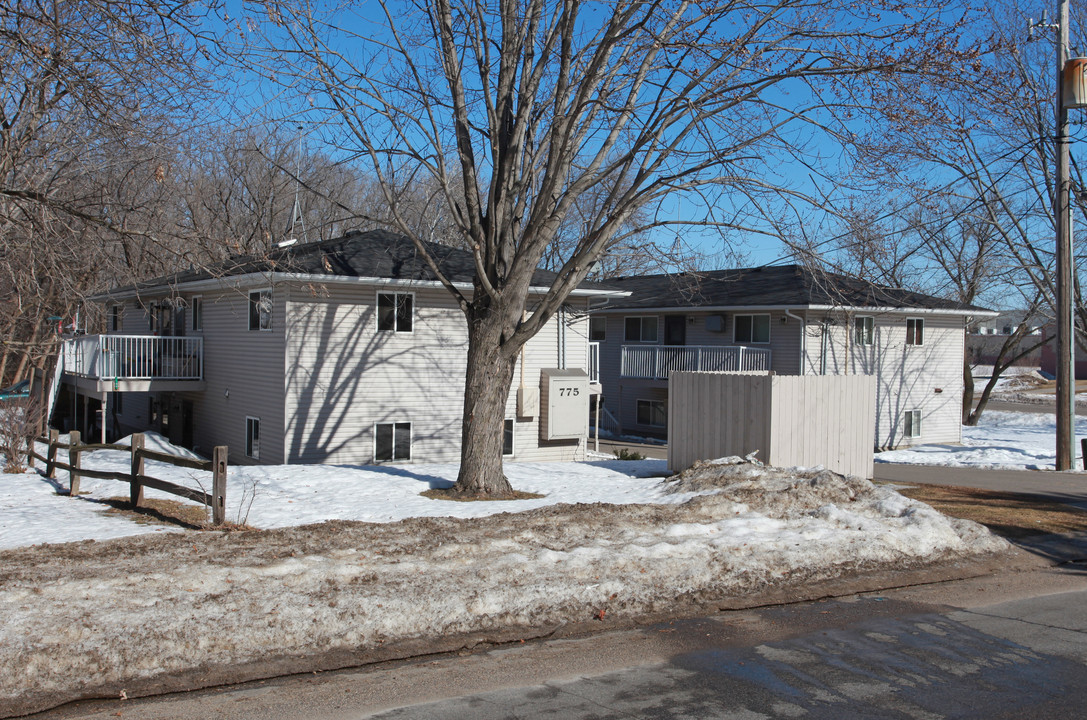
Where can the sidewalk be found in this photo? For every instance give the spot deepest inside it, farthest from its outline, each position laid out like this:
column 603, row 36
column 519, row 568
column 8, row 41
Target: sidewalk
column 1066, row 487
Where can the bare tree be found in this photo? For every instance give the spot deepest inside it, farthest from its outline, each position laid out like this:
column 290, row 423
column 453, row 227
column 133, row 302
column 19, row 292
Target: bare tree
column 91, row 95
column 517, row 111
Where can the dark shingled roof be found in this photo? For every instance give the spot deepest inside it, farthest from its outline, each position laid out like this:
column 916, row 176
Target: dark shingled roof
column 770, row 286
column 372, row 254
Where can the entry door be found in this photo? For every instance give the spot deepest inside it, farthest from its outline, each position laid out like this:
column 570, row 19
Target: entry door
column 675, row 329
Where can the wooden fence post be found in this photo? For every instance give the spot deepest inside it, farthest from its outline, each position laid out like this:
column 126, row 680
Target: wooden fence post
column 135, row 488
column 51, row 454
column 218, row 484
column 73, row 461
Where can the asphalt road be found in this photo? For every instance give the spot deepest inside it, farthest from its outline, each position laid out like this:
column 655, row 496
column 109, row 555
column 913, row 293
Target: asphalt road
column 1011, row 645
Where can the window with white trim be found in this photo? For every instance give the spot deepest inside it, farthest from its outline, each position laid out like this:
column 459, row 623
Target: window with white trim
column 864, row 330
column 507, row 437
column 912, row 424
column 260, row 310
column 915, row 331
column 641, row 328
column 196, row 305
column 598, row 328
column 252, row 437
column 753, row 329
column 116, row 315
column 394, row 312
column 653, row 413
column 392, row 441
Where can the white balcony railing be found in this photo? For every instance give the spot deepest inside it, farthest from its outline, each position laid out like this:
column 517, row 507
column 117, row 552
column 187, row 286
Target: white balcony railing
column 594, row 362
column 654, row 362
column 135, row 357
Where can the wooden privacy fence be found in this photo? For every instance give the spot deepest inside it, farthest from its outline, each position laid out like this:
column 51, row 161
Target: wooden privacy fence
column 136, row 478
column 790, row 420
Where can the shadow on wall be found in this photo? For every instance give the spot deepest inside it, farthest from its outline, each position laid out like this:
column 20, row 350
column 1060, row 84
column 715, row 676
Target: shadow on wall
column 904, row 373
column 344, row 376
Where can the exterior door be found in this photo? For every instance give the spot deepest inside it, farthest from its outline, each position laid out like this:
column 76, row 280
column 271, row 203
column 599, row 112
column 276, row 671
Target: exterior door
column 675, row 329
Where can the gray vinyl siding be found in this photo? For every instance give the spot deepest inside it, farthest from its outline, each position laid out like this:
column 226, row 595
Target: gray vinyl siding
column 343, row 377
column 621, row 394
column 134, row 415
column 247, row 363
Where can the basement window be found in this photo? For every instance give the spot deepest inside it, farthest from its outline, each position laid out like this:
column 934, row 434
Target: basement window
column 252, row 438
column 912, row 424
column 507, row 437
column 653, row 413
column 392, row 441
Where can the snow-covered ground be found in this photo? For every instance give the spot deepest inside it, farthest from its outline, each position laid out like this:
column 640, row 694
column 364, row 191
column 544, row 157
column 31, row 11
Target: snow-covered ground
column 1000, row 440
column 104, row 617
column 273, row 496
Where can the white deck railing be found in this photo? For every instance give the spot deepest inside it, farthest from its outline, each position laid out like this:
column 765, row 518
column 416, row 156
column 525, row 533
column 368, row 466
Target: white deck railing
column 654, row 362
column 594, row 362
column 135, row 357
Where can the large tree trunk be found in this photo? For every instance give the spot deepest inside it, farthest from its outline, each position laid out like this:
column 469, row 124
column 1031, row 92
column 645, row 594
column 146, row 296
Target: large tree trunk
column 967, row 390
column 486, row 388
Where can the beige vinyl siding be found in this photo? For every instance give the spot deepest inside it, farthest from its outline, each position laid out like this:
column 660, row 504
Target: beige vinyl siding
column 927, row 377
column 787, row 420
column 542, row 352
column 247, row 363
column 343, row 376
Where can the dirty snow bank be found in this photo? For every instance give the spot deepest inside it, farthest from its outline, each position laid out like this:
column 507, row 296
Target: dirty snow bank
column 98, row 617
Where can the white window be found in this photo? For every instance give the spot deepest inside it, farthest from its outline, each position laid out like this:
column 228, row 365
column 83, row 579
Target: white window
column 641, row 329
column 392, row 441
column 912, row 424
column 751, row 329
column 252, row 438
column 394, row 312
column 598, row 328
column 653, row 413
column 864, row 330
column 260, row 310
column 197, row 307
column 507, row 437
column 915, row 331
column 116, row 315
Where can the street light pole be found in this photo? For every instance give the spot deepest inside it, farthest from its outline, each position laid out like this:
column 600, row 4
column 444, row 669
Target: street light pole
column 1065, row 341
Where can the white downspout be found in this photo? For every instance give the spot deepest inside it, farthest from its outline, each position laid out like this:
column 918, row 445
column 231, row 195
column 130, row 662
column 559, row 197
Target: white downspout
column 803, row 337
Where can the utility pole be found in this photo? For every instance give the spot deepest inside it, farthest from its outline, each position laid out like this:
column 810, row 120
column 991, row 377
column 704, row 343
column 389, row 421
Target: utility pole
column 1066, row 344
column 1066, row 379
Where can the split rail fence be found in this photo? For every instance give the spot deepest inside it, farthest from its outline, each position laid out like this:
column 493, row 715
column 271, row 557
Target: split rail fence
column 137, row 480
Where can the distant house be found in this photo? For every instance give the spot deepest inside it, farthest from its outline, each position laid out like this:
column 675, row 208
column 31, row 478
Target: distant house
column 985, row 338
column 791, row 321
column 341, row 351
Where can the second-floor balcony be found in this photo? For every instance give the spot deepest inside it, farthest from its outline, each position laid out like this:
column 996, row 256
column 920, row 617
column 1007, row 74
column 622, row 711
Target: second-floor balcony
column 654, row 362
column 133, row 362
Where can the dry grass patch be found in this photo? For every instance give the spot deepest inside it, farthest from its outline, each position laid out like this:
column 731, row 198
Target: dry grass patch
column 155, row 511
column 448, row 494
column 1009, row 515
